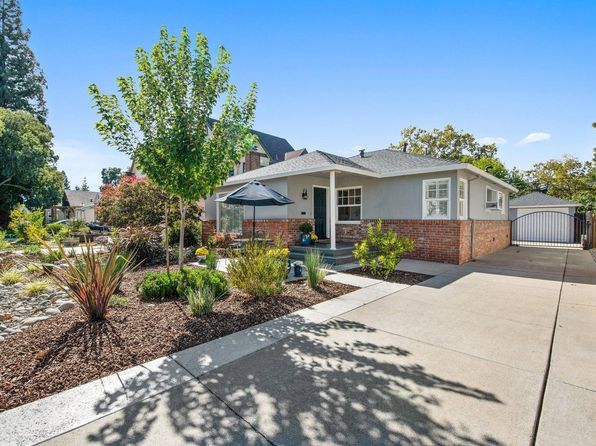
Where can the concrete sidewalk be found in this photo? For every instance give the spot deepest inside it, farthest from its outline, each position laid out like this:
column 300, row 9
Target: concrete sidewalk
column 458, row 359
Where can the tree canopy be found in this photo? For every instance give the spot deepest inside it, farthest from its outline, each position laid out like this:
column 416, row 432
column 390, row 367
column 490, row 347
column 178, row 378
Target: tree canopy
column 22, row 83
column 447, row 143
column 162, row 118
column 28, row 170
column 111, row 175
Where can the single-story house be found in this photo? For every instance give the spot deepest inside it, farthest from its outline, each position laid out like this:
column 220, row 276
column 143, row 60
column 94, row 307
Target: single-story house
column 76, row 204
column 539, row 217
column 453, row 211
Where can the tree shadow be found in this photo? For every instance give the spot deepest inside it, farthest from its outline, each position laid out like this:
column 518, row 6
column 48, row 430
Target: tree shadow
column 341, row 382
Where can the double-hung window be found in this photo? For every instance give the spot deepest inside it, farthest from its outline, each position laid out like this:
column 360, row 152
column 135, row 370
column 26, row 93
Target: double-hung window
column 462, row 204
column 349, row 204
column 494, row 199
column 436, row 199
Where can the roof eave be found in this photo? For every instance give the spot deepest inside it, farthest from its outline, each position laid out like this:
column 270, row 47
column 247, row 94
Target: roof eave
column 490, row 177
column 560, row 205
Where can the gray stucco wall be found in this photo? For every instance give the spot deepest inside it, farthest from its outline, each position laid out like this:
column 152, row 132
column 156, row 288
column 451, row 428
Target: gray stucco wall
column 477, row 190
column 385, row 198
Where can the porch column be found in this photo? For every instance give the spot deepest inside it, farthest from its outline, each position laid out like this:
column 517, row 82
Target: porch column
column 332, row 206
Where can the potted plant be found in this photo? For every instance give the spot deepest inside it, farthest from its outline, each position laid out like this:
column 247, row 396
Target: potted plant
column 313, row 238
column 305, row 229
column 201, row 253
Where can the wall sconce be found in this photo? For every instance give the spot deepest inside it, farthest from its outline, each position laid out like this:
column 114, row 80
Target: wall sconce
column 304, row 194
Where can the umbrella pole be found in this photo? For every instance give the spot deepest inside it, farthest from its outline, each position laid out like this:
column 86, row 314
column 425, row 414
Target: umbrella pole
column 253, row 221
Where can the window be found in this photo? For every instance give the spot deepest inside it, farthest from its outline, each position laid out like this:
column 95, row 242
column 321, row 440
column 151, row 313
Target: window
column 436, row 199
column 230, row 217
column 263, row 161
column 462, row 204
column 494, row 199
column 349, row 204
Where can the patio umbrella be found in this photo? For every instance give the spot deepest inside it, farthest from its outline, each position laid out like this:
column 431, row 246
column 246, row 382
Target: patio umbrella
column 255, row 194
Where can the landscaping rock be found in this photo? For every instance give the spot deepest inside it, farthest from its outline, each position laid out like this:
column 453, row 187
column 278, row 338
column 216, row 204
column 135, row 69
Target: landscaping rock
column 18, row 311
column 66, row 306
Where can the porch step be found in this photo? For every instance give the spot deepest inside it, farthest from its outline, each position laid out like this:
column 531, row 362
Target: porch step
column 339, row 256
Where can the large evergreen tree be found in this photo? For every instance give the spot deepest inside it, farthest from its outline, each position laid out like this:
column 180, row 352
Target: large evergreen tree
column 22, row 83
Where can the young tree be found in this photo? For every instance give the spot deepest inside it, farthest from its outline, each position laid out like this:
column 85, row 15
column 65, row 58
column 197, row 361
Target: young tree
column 66, row 183
column 85, row 185
column 111, row 175
column 445, row 143
column 163, row 124
column 22, row 83
column 28, row 164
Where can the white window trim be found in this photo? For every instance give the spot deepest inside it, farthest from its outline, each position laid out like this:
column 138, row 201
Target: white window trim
column 217, row 210
column 348, row 222
column 465, row 199
column 424, row 199
column 499, row 194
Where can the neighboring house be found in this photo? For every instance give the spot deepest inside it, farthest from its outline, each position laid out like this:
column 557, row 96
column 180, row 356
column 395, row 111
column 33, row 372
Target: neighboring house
column 539, row 217
column 76, row 204
column 453, row 211
column 268, row 150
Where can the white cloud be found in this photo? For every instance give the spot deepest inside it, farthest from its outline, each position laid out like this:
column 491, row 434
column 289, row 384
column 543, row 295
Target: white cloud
column 498, row 140
column 535, row 137
column 79, row 160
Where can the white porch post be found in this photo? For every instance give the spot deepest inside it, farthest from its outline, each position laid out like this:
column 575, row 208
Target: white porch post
column 332, row 206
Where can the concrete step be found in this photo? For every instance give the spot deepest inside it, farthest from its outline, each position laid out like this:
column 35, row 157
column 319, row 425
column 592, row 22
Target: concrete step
column 329, row 260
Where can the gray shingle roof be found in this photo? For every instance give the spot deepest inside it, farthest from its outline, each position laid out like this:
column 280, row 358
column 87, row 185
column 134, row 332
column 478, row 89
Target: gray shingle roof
column 80, row 197
column 389, row 161
column 540, row 199
column 312, row 160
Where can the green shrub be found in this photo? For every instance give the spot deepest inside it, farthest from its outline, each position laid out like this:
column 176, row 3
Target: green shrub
column 160, row 285
column 313, row 260
column 192, row 232
column 258, row 270
column 34, row 288
column 381, row 251
column 4, row 244
column 52, row 255
column 201, row 300
column 197, row 278
column 305, row 228
column 32, row 249
column 58, row 231
column 211, row 259
column 20, row 222
column 78, row 227
column 11, row 277
column 118, row 301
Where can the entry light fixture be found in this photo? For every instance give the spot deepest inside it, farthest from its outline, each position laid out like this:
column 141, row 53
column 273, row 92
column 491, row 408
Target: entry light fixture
column 304, row 194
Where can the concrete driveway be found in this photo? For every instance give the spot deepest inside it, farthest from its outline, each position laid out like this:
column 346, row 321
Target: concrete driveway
column 463, row 358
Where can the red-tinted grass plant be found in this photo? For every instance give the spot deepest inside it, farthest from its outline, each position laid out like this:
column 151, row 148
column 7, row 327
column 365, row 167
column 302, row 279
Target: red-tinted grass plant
column 89, row 278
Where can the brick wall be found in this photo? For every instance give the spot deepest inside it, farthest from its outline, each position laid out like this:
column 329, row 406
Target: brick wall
column 208, row 228
column 252, row 161
column 286, row 229
column 447, row 241
column 491, row 236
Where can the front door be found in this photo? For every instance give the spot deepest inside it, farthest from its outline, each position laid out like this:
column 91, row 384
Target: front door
column 320, row 212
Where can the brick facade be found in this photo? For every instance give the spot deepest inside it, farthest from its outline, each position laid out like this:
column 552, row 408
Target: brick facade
column 448, row 241
column 286, row 229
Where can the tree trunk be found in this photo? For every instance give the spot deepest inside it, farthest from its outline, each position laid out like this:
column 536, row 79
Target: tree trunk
column 167, row 240
column 181, row 242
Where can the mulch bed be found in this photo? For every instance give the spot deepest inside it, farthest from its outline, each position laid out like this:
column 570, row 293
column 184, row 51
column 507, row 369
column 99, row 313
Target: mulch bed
column 66, row 350
column 396, row 276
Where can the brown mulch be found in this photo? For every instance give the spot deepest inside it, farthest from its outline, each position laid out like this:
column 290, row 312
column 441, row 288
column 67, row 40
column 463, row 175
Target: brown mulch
column 396, row 276
column 66, row 350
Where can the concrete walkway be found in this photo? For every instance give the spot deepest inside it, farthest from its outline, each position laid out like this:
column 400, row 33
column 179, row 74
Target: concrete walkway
column 459, row 359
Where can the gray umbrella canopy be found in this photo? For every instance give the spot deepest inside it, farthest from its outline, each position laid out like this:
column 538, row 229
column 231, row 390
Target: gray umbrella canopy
column 255, row 194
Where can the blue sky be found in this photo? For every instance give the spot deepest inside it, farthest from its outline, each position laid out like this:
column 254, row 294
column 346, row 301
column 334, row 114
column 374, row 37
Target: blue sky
column 337, row 75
